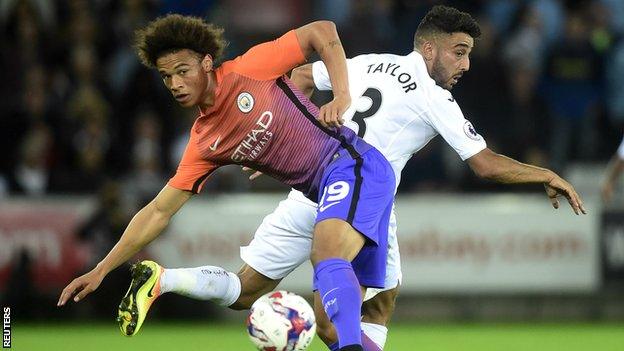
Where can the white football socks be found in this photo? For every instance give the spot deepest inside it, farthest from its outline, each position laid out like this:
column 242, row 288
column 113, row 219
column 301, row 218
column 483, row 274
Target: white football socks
column 376, row 332
column 202, row 283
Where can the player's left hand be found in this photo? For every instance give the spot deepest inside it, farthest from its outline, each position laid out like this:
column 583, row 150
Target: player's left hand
column 330, row 114
column 253, row 175
column 558, row 186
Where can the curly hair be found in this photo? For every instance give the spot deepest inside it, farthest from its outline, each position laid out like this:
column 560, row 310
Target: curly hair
column 171, row 33
column 445, row 19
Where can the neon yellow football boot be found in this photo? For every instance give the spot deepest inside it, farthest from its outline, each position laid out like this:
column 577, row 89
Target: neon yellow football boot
column 144, row 290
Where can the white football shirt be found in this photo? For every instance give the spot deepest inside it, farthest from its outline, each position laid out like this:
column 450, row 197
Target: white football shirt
column 398, row 108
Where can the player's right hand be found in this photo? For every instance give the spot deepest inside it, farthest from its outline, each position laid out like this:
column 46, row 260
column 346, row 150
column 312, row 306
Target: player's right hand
column 81, row 287
column 330, row 114
column 558, row 186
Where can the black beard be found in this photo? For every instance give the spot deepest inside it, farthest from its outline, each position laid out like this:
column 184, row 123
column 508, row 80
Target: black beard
column 438, row 73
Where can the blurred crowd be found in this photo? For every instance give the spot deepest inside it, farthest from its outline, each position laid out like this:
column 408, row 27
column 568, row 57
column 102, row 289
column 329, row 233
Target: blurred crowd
column 78, row 110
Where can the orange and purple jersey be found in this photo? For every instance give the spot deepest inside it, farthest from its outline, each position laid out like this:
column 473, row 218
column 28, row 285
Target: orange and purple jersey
column 260, row 120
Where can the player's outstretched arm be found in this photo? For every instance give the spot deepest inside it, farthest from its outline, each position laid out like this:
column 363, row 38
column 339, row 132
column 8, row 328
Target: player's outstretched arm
column 490, row 165
column 146, row 225
column 613, row 172
column 322, row 37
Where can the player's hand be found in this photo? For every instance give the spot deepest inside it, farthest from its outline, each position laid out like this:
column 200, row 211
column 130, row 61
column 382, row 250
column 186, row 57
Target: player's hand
column 253, row 175
column 80, row 287
column 557, row 186
column 330, row 115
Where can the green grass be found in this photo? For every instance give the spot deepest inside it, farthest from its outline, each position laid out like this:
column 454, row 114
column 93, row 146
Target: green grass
column 205, row 337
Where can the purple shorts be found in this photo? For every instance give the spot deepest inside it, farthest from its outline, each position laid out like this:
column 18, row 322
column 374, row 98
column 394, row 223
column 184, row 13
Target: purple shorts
column 360, row 191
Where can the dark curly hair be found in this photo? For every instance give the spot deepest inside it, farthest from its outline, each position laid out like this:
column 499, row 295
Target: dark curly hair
column 445, row 19
column 171, row 33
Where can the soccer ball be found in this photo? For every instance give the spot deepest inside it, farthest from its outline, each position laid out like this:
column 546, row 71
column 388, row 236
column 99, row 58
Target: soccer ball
column 281, row 321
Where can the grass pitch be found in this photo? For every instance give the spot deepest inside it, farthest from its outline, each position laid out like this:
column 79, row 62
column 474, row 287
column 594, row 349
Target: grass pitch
column 206, row 337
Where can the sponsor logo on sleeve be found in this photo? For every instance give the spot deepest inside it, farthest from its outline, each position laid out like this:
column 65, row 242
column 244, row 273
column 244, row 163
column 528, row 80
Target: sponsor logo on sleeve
column 471, row 132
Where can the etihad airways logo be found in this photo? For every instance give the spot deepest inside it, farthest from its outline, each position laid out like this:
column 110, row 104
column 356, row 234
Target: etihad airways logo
column 255, row 140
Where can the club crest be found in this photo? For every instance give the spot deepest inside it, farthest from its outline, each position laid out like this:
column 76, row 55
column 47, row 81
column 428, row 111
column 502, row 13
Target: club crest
column 245, row 102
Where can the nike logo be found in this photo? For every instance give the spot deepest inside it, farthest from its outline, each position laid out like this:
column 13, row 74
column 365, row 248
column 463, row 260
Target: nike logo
column 213, row 147
column 149, row 293
column 328, row 304
column 323, row 208
column 452, row 99
column 329, row 292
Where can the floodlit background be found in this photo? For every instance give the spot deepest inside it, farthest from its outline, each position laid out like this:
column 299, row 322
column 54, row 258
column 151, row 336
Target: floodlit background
column 88, row 135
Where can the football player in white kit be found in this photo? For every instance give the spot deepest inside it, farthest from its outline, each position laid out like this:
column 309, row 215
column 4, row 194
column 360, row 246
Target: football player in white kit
column 399, row 104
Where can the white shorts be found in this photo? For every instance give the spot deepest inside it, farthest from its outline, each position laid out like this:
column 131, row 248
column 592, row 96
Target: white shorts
column 284, row 241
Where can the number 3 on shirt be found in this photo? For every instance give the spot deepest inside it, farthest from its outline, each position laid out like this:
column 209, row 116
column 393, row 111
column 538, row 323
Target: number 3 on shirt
column 358, row 117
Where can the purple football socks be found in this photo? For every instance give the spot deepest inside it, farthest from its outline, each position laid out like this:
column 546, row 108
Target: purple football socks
column 340, row 294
